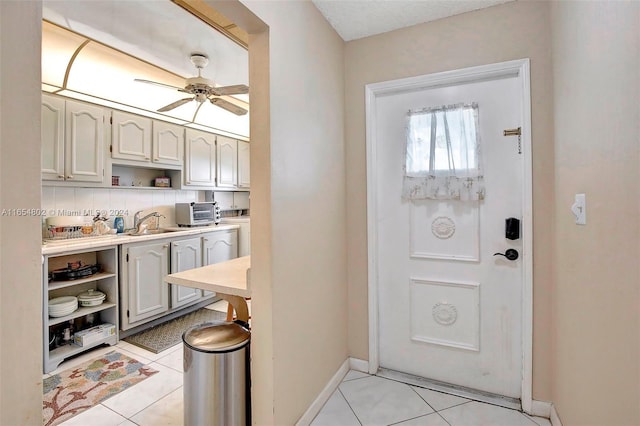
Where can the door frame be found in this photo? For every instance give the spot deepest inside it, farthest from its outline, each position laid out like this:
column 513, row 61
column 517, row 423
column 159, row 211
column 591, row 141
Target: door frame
column 519, row 69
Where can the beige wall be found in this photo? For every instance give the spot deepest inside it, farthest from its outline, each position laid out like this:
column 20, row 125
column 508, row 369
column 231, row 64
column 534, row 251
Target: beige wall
column 20, row 260
column 511, row 31
column 596, row 65
column 300, row 205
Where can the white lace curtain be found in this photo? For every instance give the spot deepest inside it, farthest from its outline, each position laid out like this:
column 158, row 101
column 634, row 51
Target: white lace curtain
column 442, row 154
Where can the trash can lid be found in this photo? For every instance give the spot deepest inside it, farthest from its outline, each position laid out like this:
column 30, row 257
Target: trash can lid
column 217, row 336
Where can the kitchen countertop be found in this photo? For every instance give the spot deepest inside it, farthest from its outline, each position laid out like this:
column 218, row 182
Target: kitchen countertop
column 230, row 280
column 72, row 244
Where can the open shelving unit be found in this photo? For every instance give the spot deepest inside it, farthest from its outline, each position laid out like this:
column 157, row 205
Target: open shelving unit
column 105, row 281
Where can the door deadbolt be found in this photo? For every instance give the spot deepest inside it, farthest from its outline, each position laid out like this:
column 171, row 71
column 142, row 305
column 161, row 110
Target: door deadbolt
column 511, row 254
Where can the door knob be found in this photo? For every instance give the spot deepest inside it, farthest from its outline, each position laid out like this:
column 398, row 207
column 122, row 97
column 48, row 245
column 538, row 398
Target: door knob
column 510, row 254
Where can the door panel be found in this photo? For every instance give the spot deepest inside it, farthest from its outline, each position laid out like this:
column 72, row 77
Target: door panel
column 448, row 309
column 185, row 255
column 200, row 157
column 52, row 138
column 168, row 143
column 84, row 134
column 131, row 136
column 147, row 265
column 227, row 151
column 219, row 247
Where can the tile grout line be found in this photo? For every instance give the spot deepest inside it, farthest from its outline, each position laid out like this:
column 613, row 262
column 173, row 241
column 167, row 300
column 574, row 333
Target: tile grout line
column 347, row 401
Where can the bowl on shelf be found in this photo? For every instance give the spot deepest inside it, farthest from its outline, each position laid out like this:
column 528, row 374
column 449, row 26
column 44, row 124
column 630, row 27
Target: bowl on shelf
column 91, row 298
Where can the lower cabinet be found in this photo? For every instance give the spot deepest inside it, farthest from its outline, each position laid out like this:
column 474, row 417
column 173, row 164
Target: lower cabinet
column 185, row 255
column 145, row 294
column 218, row 247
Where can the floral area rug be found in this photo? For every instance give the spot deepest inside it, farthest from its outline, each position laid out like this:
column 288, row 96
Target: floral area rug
column 78, row 389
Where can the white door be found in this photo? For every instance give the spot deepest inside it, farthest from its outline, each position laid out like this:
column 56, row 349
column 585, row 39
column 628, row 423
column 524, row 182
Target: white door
column 449, row 310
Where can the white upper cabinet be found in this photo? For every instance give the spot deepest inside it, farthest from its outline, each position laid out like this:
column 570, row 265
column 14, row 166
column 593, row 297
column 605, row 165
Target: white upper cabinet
column 131, row 137
column 200, row 158
column 227, row 151
column 84, row 142
column 244, row 176
column 168, row 143
column 52, row 138
column 72, row 140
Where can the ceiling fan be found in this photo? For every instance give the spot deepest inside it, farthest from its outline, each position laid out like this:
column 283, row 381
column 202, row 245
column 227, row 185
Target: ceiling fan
column 203, row 89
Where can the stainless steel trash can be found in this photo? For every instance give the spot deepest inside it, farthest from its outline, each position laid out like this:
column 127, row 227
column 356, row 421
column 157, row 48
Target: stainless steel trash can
column 216, row 385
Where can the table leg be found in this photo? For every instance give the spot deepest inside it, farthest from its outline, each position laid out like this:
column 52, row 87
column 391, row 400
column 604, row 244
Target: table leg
column 239, row 304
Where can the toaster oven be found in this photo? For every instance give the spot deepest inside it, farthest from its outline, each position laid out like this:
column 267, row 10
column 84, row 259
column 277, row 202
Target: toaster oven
column 197, row 214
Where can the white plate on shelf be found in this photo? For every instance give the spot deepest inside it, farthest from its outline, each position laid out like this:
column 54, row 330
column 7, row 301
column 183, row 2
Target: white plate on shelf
column 61, row 306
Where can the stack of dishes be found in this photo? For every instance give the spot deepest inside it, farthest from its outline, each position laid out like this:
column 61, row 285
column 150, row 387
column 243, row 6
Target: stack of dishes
column 61, row 306
column 91, row 298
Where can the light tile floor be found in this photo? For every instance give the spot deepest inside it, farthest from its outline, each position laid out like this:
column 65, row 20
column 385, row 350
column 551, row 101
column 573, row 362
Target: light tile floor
column 360, row 399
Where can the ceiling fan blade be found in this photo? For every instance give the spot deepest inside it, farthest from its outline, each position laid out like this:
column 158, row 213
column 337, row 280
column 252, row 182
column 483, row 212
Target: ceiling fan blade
column 155, row 83
column 228, row 106
column 237, row 89
column 175, row 104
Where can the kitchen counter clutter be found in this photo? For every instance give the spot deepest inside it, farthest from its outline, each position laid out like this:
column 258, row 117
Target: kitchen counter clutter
column 61, row 246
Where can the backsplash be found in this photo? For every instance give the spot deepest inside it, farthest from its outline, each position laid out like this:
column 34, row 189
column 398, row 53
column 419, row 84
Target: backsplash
column 81, row 201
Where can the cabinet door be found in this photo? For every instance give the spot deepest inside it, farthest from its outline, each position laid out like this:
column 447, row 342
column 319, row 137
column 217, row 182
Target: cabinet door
column 84, row 141
column 52, row 138
column 168, row 143
column 131, row 137
column 227, row 151
column 185, row 255
column 200, row 157
column 244, row 175
column 147, row 265
column 218, row 247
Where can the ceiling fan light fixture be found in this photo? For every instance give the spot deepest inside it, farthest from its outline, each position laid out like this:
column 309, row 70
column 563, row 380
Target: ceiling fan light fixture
column 199, row 60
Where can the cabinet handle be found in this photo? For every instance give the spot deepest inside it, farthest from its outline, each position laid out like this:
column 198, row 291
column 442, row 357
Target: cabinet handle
column 69, row 176
column 60, row 176
column 156, row 159
column 146, row 158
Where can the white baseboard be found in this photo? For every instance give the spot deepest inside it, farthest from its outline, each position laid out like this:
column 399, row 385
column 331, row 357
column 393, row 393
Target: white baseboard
column 540, row 409
column 324, row 395
column 555, row 419
column 359, row 365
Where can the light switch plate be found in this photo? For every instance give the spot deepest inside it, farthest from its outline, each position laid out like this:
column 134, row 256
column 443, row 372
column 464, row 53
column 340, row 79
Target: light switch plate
column 579, row 209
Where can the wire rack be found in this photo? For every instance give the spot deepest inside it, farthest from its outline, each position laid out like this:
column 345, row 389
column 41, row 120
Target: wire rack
column 69, row 232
